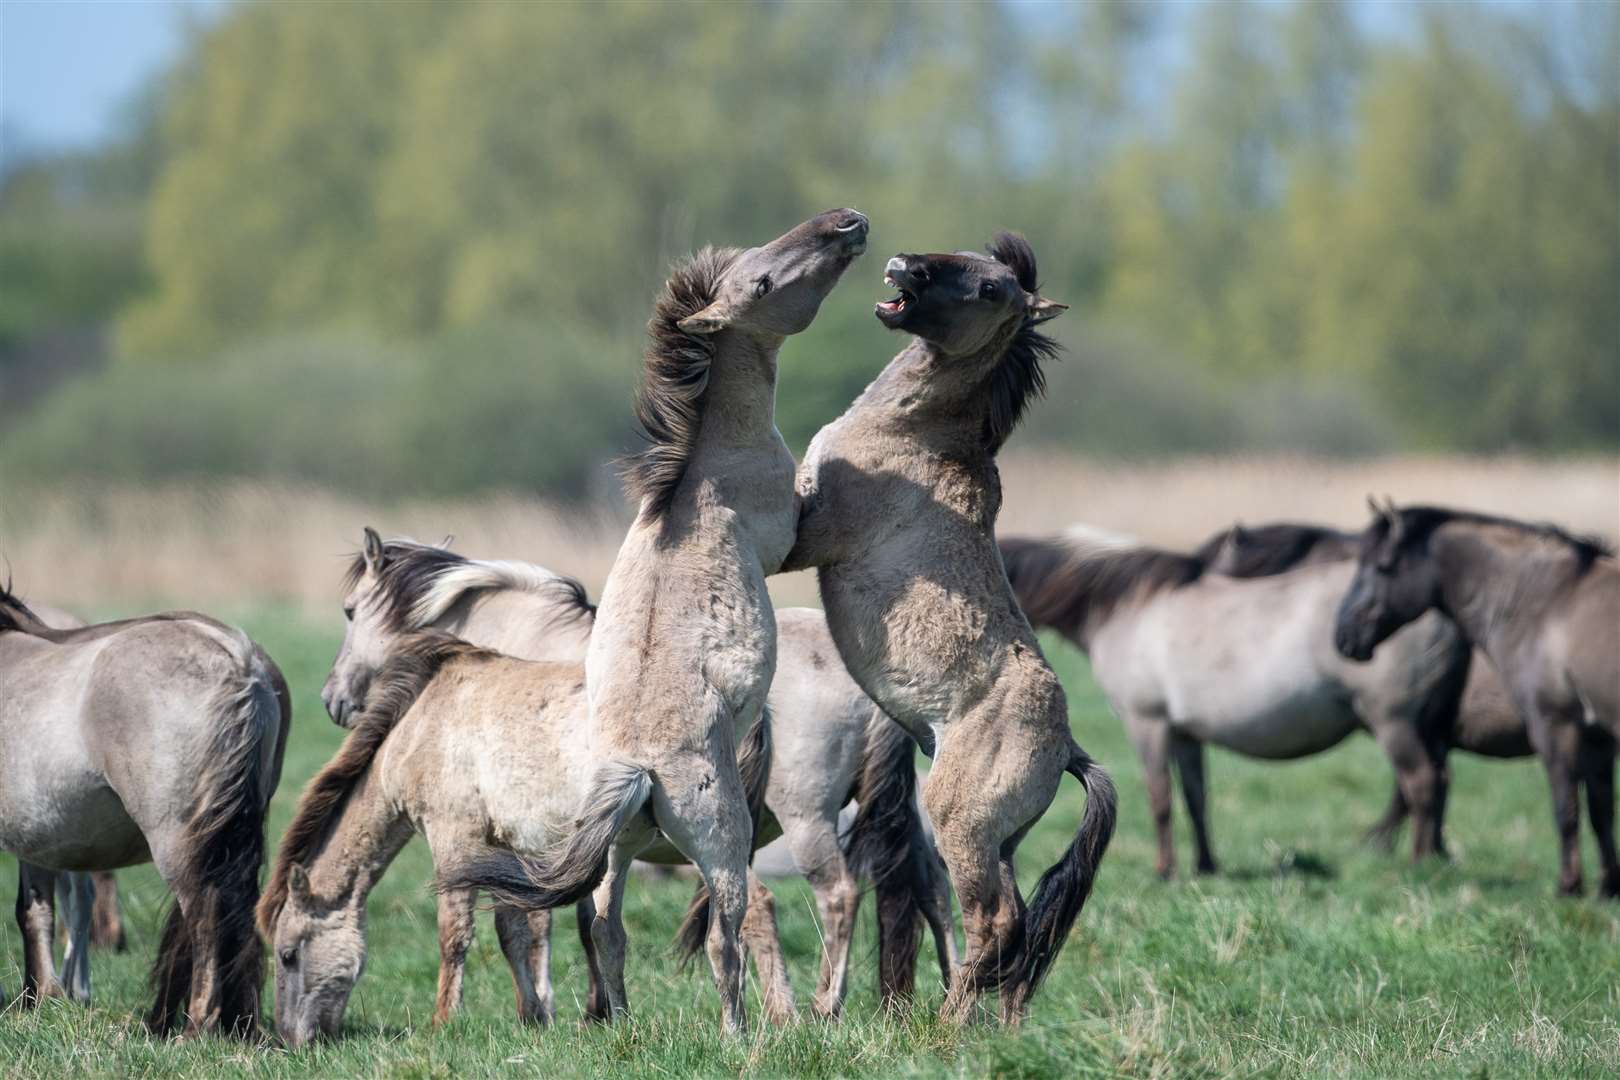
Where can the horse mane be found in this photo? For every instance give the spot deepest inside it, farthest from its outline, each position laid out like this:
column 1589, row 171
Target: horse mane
column 397, row 685
column 1421, row 521
column 1064, row 582
column 16, row 615
column 1018, row 378
column 1273, row 549
column 420, row 582
column 674, row 381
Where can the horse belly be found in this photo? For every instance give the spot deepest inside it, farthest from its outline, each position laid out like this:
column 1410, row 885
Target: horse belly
column 1291, row 726
column 85, row 828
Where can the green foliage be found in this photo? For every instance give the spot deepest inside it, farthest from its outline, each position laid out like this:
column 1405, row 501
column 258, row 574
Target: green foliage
column 1309, row 955
column 1291, row 234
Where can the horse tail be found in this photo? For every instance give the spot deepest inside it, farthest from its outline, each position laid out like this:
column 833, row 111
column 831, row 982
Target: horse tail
column 886, row 843
column 754, row 766
column 1063, row 889
column 224, row 849
column 574, row 866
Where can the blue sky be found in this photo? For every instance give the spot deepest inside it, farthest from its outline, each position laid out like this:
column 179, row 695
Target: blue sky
column 67, row 65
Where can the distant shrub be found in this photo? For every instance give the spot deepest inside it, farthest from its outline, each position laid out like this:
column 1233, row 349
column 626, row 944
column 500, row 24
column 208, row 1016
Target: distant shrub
column 496, row 407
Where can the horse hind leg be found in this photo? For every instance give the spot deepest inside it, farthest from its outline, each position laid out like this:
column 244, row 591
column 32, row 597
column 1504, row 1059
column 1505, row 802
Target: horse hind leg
column 36, row 919
column 455, row 920
column 107, row 921
column 1597, row 755
column 760, row 934
column 1188, row 755
column 525, row 939
column 937, row 911
column 79, row 891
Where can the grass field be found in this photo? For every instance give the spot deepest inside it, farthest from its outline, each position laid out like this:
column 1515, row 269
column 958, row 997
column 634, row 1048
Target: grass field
column 1308, row 955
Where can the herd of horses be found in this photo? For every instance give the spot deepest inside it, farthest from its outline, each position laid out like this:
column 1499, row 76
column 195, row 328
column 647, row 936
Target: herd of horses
column 542, row 744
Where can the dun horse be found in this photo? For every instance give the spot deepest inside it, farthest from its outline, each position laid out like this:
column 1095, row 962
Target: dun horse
column 1187, row 657
column 159, row 739
column 1487, row 722
column 684, row 647
column 89, row 905
column 841, row 746
column 898, row 507
column 1543, row 605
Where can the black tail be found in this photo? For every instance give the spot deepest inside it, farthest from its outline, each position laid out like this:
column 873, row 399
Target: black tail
column 754, row 765
column 886, row 844
column 1062, row 890
column 576, row 866
column 224, row 853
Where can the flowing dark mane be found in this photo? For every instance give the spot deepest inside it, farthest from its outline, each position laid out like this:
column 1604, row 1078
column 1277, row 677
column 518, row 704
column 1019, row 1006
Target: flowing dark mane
column 1018, row 378
column 674, row 379
column 1421, row 521
column 1064, row 583
column 418, row 582
column 16, row 615
column 1264, row 550
column 396, row 687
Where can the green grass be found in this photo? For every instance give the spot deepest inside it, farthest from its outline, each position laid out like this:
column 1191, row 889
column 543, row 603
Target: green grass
column 1308, row 955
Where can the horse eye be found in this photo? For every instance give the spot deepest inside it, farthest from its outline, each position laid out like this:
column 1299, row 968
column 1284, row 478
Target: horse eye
column 987, row 291
column 348, row 612
column 762, row 286
column 289, row 957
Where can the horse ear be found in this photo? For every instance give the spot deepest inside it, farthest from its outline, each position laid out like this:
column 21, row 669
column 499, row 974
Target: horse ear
column 298, row 883
column 373, row 550
column 1378, row 512
column 711, row 320
column 1039, row 309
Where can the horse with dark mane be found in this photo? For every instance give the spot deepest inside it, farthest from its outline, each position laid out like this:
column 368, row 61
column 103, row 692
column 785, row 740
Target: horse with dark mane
column 1487, row 721
column 684, row 647
column 899, row 498
column 1188, row 657
column 1544, row 606
column 153, row 739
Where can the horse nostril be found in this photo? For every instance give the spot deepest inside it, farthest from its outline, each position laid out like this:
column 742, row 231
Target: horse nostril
column 853, row 222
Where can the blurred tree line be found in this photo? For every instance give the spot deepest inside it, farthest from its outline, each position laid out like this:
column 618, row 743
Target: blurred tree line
column 410, row 247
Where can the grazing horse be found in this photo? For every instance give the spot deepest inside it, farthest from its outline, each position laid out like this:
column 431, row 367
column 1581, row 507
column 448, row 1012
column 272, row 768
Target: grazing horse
column 1187, row 657
column 1487, row 722
column 898, row 507
column 841, row 746
column 684, row 647
column 1543, row 605
column 158, row 739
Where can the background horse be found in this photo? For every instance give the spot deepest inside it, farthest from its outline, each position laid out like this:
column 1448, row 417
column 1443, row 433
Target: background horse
column 1187, row 657
column 840, row 745
column 1543, row 605
column 1487, row 721
column 159, row 739
column 899, row 498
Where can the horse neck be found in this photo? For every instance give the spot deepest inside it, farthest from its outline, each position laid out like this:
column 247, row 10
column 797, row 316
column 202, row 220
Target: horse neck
column 520, row 623
column 939, row 400
column 739, row 404
column 369, row 832
column 1493, row 589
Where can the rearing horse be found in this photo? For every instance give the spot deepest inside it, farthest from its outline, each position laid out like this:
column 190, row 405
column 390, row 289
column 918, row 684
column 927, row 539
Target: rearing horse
column 900, row 496
column 684, row 646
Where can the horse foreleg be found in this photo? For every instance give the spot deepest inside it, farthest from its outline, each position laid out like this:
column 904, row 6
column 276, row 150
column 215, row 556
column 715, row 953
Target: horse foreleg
column 1419, row 778
column 1558, row 744
column 596, row 1008
column 456, row 909
column 1152, row 741
column 937, row 910
column 1188, row 754
column 525, row 937
column 607, row 931
column 36, row 919
column 1597, row 772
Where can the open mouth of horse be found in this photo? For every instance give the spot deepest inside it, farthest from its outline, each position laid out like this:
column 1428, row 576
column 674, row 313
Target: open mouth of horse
column 891, row 311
